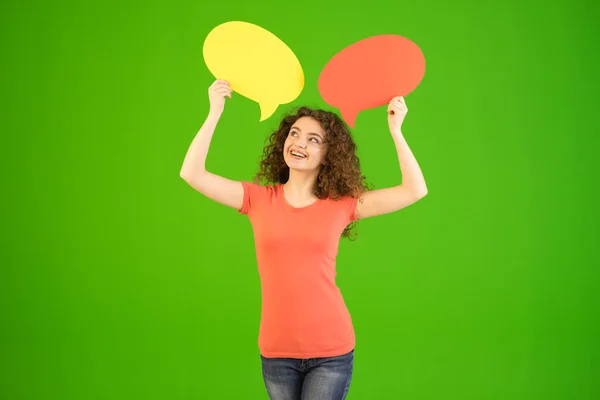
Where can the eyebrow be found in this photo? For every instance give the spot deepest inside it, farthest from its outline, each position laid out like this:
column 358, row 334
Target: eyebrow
column 310, row 133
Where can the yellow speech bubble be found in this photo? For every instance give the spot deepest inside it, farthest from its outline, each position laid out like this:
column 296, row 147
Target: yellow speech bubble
column 256, row 63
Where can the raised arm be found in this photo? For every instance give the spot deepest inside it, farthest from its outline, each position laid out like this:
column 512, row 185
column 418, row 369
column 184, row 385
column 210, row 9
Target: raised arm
column 193, row 171
column 413, row 187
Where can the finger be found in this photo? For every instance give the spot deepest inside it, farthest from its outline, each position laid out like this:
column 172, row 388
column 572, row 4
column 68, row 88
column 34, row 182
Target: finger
column 221, row 86
column 400, row 103
column 398, row 99
column 223, row 89
column 393, row 109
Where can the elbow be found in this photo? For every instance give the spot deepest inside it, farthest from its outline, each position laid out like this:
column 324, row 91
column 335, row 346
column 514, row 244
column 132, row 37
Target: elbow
column 422, row 192
column 191, row 176
column 183, row 175
column 187, row 174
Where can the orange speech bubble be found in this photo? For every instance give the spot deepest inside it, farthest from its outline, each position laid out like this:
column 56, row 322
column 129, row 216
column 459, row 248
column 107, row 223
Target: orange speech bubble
column 370, row 72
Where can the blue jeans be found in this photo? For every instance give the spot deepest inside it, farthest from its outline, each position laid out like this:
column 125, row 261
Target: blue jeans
column 308, row 379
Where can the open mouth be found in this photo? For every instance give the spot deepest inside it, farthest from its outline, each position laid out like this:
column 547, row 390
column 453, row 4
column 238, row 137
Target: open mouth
column 297, row 155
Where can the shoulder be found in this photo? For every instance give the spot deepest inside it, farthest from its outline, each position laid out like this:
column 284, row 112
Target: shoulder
column 255, row 188
column 346, row 205
column 255, row 194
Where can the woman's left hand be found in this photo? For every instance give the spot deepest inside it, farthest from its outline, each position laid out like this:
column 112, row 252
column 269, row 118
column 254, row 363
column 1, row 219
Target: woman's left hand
column 396, row 112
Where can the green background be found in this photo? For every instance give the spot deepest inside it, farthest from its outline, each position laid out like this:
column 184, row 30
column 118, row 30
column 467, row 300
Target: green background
column 119, row 281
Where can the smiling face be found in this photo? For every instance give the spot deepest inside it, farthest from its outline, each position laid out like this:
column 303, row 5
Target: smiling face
column 304, row 148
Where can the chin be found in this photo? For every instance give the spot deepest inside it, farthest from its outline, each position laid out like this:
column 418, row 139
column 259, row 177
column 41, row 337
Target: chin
column 303, row 168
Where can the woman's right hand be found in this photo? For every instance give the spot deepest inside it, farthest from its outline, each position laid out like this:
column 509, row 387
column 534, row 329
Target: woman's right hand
column 216, row 95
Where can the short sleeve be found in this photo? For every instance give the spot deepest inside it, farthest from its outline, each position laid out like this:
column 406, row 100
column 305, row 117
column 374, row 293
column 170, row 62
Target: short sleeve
column 350, row 204
column 253, row 194
column 353, row 202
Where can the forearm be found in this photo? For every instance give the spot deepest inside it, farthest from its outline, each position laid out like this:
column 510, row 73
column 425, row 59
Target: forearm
column 195, row 158
column 412, row 176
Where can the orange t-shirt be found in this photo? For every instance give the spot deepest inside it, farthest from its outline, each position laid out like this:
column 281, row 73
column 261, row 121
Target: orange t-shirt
column 303, row 312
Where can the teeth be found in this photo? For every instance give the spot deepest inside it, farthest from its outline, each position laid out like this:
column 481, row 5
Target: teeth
column 298, row 154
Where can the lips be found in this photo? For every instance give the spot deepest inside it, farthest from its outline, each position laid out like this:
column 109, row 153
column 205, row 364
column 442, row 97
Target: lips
column 298, row 154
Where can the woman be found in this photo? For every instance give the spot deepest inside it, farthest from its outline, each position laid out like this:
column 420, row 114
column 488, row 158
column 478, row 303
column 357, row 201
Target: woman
column 315, row 193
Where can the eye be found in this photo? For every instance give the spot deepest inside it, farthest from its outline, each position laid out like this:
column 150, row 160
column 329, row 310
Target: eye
column 315, row 140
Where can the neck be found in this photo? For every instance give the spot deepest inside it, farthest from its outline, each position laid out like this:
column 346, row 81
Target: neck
column 301, row 184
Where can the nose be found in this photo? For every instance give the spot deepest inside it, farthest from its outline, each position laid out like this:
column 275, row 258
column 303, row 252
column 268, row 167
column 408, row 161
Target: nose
column 301, row 142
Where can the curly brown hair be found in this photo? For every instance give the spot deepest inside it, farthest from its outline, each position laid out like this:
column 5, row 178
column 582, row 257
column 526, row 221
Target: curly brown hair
column 340, row 174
